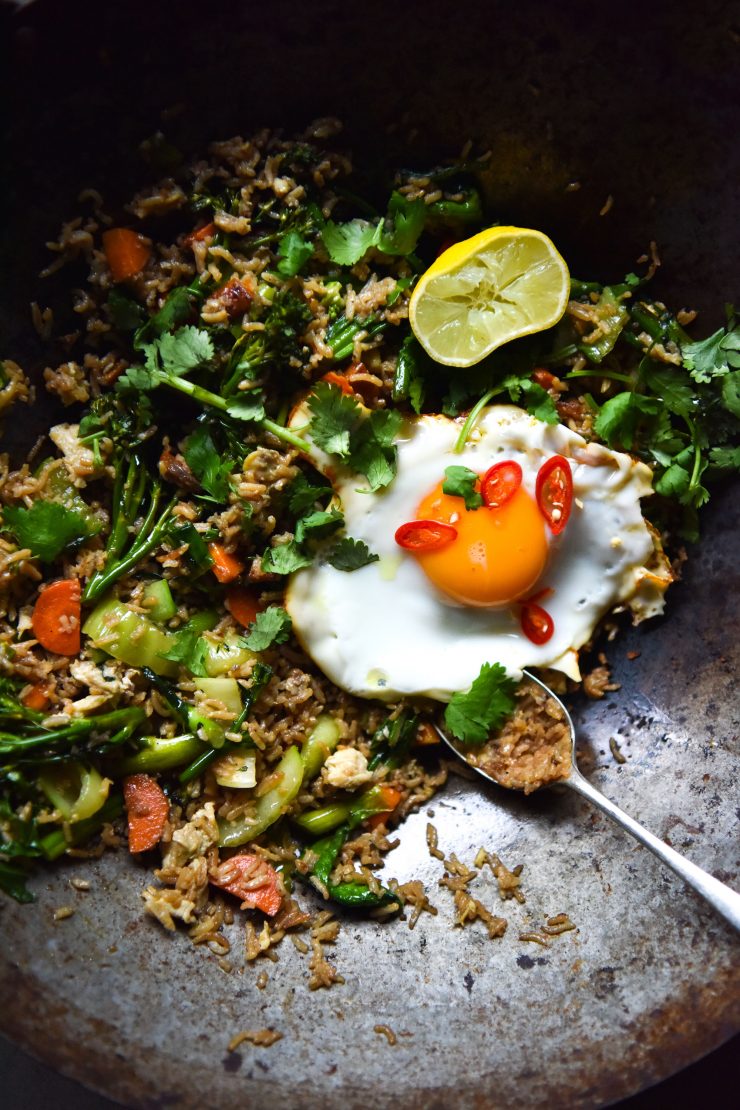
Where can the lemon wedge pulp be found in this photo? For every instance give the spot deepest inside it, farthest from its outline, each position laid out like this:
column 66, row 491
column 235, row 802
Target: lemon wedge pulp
column 499, row 285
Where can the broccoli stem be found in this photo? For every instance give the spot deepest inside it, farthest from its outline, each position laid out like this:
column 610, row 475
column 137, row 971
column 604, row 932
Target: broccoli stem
column 198, row 765
column 162, row 754
column 353, row 895
column 120, row 723
column 128, row 495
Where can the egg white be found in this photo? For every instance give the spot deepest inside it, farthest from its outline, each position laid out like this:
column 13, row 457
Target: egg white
column 384, row 631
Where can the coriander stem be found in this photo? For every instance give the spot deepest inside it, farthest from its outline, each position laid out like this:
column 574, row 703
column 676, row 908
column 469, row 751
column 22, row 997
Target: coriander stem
column 612, row 375
column 472, row 417
column 198, row 393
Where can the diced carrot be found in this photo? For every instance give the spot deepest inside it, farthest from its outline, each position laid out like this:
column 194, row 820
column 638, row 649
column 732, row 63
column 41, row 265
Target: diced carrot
column 226, row 566
column 56, row 617
column 390, row 797
column 36, row 697
column 147, row 809
column 127, row 252
column 544, row 378
column 426, row 735
column 250, row 879
column 206, row 232
column 243, row 605
column 339, row 380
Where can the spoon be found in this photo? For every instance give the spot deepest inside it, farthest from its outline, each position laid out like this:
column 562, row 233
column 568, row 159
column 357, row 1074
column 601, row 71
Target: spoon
column 725, row 900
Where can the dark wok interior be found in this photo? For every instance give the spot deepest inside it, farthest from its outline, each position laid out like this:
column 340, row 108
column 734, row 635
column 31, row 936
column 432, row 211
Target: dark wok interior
column 639, row 105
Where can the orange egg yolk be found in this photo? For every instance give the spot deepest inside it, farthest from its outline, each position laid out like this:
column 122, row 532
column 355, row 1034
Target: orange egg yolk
column 498, row 555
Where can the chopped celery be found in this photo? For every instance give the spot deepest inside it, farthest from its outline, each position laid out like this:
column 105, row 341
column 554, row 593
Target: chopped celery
column 270, row 807
column 318, row 745
column 130, row 637
column 221, row 655
column 159, row 753
column 75, row 790
column 158, row 600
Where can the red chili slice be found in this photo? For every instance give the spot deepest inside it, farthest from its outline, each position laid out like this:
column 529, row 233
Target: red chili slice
column 500, row 483
column 555, row 492
column 537, row 625
column 425, row 535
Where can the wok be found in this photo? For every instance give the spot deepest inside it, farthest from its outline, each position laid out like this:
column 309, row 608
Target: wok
column 638, row 105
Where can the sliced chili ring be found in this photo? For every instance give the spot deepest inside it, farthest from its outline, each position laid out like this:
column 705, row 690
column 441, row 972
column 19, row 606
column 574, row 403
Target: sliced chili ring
column 500, row 483
column 555, row 492
column 421, row 536
column 537, row 624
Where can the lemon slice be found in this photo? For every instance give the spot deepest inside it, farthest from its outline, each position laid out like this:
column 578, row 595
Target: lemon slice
column 499, row 285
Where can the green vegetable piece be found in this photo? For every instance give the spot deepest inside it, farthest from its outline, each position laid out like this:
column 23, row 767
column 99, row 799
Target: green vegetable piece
column 472, row 716
column 612, row 315
column 159, row 753
column 319, row 822
column 47, row 528
column 220, row 656
column 75, row 790
column 55, row 844
column 131, row 637
column 318, row 745
column 158, row 600
column 351, row 895
column 294, row 252
column 460, row 481
column 271, row 806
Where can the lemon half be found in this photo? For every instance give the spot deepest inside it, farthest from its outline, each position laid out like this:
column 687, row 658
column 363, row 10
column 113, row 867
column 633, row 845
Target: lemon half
column 499, row 285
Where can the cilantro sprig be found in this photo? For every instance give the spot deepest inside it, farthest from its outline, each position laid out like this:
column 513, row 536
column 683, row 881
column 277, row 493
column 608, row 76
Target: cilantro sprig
column 365, row 442
column 460, row 481
column 271, row 626
column 472, row 716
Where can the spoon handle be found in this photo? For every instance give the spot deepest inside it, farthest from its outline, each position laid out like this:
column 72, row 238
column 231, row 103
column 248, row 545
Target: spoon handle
column 724, row 900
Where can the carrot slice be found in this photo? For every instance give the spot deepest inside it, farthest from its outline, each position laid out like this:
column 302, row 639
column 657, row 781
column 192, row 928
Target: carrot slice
column 390, row 797
column 126, row 251
column 37, row 697
column 226, row 566
column 250, row 879
column 147, row 809
column 243, row 605
column 338, row 380
column 56, row 617
column 206, row 232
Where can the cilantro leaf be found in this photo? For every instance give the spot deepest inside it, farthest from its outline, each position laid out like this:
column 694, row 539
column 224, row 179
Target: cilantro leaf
column 189, row 649
column 303, row 494
column 731, row 393
column 726, row 458
column 674, row 482
column 400, row 231
column 537, row 400
column 138, row 380
column 246, row 408
column 347, row 243
column 271, row 626
column 620, row 417
column 372, row 450
column 670, row 383
column 203, row 458
column 333, row 417
column 460, row 481
column 539, row 403
column 294, row 252
column 317, row 525
column 472, row 716
column 284, row 559
column 183, row 350
column 197, row 554
column 125, row 313
column 46, row 528
column 349, row 554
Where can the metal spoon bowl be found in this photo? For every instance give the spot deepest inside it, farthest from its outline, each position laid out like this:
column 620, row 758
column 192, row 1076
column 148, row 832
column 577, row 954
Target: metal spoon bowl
column 725, row 900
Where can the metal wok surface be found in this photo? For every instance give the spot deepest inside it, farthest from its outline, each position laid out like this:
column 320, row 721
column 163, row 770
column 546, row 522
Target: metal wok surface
column 637, row 107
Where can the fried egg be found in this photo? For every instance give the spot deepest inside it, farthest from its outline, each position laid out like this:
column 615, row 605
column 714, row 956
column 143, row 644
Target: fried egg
column 423, row 622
